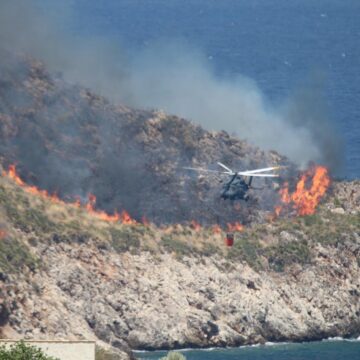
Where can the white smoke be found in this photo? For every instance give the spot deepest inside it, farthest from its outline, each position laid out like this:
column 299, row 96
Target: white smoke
column 176, row 78
column 180, row 80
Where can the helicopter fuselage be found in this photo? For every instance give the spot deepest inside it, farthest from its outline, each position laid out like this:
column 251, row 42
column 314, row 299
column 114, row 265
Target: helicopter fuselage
column 235, row 189
column 238, row 186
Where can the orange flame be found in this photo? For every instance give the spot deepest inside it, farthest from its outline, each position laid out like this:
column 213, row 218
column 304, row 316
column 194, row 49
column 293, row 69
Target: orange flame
column 305, row 198
column 195, row 225
column 124, row 217
column 12, row 174
column 145, row 221
column 277, row 211
column 235, row 227
column 100, row 214
column 90, row 205
column 216, row 229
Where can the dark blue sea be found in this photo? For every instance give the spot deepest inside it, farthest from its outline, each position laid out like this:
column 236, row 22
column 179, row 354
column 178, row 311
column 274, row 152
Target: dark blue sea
column 282, row 45
column 325, row 350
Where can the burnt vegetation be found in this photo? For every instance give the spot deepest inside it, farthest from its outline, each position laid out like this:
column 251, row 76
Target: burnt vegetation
column 69, row 141
column 274, row 246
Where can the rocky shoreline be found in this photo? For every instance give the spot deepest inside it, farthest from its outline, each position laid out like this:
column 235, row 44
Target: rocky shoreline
column 67, row 274
column 143, row 300
column 173, row 305
column 268, row 343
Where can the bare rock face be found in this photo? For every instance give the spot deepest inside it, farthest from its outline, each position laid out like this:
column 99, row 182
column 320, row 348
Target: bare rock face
column 158, row 302
column 348, row 196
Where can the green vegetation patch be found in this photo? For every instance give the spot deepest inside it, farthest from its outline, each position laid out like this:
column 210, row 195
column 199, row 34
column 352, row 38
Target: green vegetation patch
column 29, row 220
column 333, row 228
column 23, row 351
column 22, row 216
column 259, row 242
column 210, row 249
column 171, row 244
column 312, row 220
column 282, row 255
column 278, row 256
column 247, row 249
column 337, row 202
column 15, row 255
column 126, row 238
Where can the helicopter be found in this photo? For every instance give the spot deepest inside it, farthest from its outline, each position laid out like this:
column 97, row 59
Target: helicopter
column 240, row 182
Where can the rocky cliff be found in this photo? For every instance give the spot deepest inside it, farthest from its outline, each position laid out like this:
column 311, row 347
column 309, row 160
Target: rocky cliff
column 67, row 271
column 67, row 274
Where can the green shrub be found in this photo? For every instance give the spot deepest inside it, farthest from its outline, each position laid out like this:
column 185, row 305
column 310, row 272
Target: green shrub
column 173, row 355
column 337, row 202
column 169, row 243
column 23, row 216
column 209, row 249
column 246, row 249
column 15, row 255
column 280, row 256
column 30, row 220
column 310, row 220
column 22, row 351
column 125, row 239
column 70, row 236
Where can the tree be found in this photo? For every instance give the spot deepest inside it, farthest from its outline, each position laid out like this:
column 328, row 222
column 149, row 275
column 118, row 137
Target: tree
column 22, row 351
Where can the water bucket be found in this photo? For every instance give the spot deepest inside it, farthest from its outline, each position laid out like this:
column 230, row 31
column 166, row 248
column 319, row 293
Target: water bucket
column 229, row 239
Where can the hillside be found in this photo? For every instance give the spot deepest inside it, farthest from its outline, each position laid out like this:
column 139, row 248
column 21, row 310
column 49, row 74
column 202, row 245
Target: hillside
column 74, row 264
column 69, row 141
column 67, row 274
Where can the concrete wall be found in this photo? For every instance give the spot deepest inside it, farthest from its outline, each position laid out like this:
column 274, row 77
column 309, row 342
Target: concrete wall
column 63, row 350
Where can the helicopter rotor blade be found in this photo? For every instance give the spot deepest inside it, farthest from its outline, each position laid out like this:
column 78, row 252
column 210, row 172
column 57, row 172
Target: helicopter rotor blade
column 263, row 170
column 225, row 167
column 205, row 170
column 258, row 175
column 257, row 172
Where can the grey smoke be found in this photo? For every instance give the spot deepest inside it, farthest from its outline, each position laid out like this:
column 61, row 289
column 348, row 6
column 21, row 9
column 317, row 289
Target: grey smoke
column 181, row 81
column 176, row 78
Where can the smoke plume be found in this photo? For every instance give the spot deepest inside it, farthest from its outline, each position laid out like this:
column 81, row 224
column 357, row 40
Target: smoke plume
column 177, row 78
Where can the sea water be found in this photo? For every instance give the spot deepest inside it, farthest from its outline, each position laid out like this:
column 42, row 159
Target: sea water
column 277, row 43
column 324, row 350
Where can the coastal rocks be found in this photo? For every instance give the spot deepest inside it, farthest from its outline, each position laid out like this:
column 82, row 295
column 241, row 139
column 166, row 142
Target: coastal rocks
column 347, row 197
column 159, row 299
column 167, row 303
column 339, row 210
